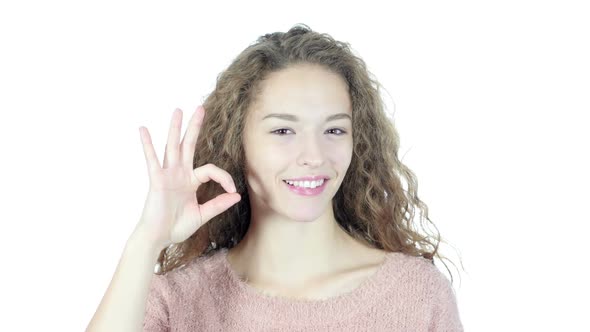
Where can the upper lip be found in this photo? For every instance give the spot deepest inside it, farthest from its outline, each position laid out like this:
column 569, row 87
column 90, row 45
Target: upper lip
column 310, row 178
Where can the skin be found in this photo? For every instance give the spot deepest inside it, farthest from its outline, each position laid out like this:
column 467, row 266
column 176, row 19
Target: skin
column 294, row 242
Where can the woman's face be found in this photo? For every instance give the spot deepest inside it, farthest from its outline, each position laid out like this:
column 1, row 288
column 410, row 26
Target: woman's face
column 300, row 126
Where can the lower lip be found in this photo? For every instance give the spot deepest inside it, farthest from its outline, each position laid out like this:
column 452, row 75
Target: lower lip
column 307, row 191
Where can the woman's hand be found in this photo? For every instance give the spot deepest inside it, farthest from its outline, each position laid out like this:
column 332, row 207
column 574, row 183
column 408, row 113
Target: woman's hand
column 171, row 212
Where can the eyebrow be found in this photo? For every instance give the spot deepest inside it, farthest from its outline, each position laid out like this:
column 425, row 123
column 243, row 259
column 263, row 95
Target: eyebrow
column 291, row 117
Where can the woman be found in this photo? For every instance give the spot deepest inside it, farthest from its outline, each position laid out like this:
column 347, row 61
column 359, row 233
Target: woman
column 311, row 227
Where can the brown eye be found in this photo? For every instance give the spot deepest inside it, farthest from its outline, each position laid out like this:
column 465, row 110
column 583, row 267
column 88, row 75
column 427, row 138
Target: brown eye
column 342, row 131
column 280, row 130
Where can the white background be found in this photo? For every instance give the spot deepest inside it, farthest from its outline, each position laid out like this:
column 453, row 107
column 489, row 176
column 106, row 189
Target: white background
column 491, row 101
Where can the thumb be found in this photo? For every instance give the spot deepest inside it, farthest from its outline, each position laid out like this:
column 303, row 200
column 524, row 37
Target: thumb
column 218, row 205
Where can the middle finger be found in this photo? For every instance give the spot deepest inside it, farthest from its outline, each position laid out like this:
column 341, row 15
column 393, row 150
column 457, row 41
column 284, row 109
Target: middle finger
column 191, row 135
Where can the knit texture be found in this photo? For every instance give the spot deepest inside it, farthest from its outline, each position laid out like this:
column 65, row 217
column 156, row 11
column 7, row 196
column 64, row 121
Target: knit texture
column 406, row 293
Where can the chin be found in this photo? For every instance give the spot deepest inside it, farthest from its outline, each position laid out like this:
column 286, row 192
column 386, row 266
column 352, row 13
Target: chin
column 303, row 214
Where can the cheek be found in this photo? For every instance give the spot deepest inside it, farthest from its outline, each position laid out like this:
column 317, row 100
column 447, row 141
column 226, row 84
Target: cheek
column 264, row 160
column 342, row 155
column 267, row 153
column 256, row 148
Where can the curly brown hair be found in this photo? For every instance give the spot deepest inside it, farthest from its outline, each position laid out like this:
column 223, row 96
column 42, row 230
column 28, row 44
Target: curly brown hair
column 371, row 204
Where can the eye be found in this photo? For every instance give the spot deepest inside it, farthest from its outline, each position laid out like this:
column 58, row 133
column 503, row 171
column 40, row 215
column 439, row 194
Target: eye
column 281, row 130
column 342, row 132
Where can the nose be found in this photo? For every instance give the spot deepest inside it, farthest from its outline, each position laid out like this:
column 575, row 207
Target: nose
column 311, row 152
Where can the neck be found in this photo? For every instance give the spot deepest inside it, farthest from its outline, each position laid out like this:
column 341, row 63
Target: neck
column 292, row 253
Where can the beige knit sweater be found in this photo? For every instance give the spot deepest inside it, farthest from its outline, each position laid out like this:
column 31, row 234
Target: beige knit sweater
column 405, row 294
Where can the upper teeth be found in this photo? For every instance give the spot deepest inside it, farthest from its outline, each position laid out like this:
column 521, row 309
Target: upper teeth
column 306, row 184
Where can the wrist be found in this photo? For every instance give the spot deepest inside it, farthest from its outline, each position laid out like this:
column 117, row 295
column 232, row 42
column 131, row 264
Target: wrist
column 141, row 241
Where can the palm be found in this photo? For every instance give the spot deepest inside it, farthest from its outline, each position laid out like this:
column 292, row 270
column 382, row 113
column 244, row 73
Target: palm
column 175, row 204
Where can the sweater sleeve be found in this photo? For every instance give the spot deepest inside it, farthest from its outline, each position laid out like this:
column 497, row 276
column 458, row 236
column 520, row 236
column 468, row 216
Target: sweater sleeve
column 445, row 311
column 156, row 311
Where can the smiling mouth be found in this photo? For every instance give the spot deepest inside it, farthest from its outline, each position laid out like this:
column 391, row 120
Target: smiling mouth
column 292, row 185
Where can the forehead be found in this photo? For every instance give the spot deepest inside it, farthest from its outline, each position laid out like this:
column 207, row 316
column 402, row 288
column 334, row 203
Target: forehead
column 306, row 91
